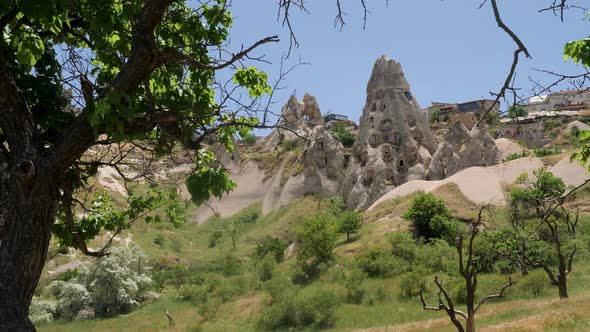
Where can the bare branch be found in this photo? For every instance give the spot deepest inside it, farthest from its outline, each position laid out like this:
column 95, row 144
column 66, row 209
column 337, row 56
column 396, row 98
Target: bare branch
column 521, row 49
column 497, row 295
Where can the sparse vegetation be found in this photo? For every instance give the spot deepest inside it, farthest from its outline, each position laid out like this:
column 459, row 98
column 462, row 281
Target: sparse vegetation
column 342, row 134
column 517, row 155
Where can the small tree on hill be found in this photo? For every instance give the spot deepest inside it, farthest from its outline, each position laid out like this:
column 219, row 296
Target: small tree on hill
column 349, row 222
column 470, row 264
column 429, row 216
column 544, row 229
column 516, row 111
column 316, row 238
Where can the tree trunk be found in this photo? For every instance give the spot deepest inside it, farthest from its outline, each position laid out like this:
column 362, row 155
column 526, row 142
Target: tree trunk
column 562, row 285
column 470, row 323
column 27, row 213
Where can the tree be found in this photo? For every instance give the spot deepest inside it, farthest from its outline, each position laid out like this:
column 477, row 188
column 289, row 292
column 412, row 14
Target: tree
column 316, row 238
column 427, row 213
column 434, row 116
column 516, row 111
column 340, row 133
column 133, row 71
column 470, row 264
column 544, row 229
column 349, row 222
column 250, row 139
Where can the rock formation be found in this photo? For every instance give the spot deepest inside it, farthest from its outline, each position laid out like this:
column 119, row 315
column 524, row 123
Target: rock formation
column 322, row 157
column 463, row 148
column 323, row 165
column 298, row 120
column 394, row 144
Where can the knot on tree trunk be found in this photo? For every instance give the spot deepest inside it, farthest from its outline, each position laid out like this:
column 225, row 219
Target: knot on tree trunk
column 26, row 170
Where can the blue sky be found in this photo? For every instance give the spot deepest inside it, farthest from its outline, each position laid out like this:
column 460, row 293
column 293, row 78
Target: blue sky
column 449, row 50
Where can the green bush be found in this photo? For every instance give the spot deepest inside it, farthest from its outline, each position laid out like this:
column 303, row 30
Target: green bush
column 265, row 267
column 230, row 265
column 340, row 133
column 545, row 152
column 517, row 155
column 436, row 255
column 402, row 245
column 425, row 213
column 247, row 216
column 249, row 139
column 159, row 240
column 310, row 307
column 534, row 283
column 279, row 286
column 459, row 291
column 434, row 116
column 194, row 294
column 354, row 286
column 273, row 246
column 412, row 283
column 215, row 237
column 377, row 263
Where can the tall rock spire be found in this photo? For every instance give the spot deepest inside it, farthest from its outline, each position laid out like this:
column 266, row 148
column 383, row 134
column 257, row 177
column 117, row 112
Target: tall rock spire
column 394, row 143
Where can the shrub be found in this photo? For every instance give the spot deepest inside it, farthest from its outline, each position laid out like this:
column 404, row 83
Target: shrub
column 349, row 222
column 437, row 255
column 273, row 246
column 311, row 306
column 534, row 283
column 214, row 238
column 250, row 215
column 545, row 152
column 266, row 267
column 402, row 245
column 354, row 286
column 41, row 312
column 459, row 291
column 425, row 207
column 340, row 133
column 230, row 265
column 317, row 238
column 176, row 245
column 278, row 286
column 434, row 115
column 72, row 298
column 380, row 264
column 249, row 139
column 111, row 285
column 194, row 294
column 517, row 155
column 336, row 205
column 316, row 307
column 159, row 240
column 412, row 283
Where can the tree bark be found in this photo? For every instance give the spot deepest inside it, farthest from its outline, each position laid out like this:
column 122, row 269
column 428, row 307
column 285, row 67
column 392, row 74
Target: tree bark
column 27, row 212
column 562, row 285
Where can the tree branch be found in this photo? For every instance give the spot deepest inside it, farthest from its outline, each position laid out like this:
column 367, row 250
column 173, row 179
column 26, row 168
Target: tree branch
column 497, row 295
column 521, row 49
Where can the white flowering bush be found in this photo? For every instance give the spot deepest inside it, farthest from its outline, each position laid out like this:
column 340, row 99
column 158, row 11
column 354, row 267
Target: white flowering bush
column 107, row 287
column 41, row 311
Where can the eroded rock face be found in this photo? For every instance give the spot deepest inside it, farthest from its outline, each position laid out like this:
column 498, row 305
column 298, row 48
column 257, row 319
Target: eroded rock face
column 298, row 120
column 463, row 148
column 394, row 143
column 323, row 164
